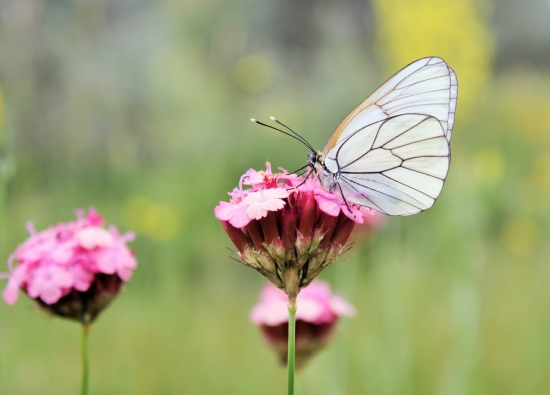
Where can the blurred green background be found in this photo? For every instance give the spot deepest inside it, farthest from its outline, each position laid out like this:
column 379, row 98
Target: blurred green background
column 141, row 108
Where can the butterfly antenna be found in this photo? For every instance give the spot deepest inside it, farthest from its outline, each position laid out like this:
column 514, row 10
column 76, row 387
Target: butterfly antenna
column 301, row 138
column 282, row 131
column 300, row 169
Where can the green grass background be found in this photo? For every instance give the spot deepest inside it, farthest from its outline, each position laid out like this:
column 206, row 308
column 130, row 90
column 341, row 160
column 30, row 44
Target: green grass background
column 141, row 110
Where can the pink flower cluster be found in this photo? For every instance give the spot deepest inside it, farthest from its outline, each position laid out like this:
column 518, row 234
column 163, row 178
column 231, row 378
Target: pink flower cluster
column 286, row 227
column 267, row 193
column 318, row 311
column 67, row 257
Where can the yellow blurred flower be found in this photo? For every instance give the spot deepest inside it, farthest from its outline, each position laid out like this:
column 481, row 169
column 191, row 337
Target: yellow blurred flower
column 409, row 30
column 489, row 165
column 528, row 117
column 541, row 172
column 158, row 221
column 521, row 235
column 253, row 73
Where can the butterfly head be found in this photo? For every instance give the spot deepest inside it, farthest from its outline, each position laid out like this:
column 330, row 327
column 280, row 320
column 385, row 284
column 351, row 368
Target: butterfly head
column 316, row 160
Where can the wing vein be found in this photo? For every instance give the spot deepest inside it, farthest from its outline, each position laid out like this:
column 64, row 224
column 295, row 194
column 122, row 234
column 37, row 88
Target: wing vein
column 393, row 197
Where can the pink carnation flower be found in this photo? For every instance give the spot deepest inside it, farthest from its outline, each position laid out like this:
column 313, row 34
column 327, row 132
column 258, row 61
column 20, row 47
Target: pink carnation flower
column 318, row 311
column 286, row 227
column 373, row 219
column 261, row 202
column 266, row 179
column 72, row 269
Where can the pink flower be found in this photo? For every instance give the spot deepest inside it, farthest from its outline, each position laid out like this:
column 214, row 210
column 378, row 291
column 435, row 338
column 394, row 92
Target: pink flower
column 373, row 219
column 259, row 203
column 318, row 311
column 93, row 236
column 372, row 222
column 71, row 269
column 286, row 227
column 317, row 305
column 266, row 179
column 49, row 283
column 235, row 214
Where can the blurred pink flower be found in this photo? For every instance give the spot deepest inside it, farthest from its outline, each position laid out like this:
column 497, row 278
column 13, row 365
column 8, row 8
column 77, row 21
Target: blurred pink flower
column 72, row 269
column 318, row 311
column 373, row 219
column 286, row 227
column 372, row 222
column 317, row 305
column 48, row 283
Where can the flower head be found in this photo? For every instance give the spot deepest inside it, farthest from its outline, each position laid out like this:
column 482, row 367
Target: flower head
column 316, row 317
column 71, row 269
column 286, row 227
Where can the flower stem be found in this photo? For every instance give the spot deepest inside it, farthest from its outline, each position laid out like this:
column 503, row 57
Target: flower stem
column 85, row 364
column 291, row 344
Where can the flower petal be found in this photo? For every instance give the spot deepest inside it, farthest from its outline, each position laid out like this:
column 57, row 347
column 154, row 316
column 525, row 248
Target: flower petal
column 11, row 292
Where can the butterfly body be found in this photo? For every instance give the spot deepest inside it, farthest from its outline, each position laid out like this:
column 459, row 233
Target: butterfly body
column 392, row 152
column 316, row 163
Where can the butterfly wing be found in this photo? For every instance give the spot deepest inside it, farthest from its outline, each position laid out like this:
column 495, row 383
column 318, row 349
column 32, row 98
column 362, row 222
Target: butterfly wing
column 427, row 86
column 396, row 166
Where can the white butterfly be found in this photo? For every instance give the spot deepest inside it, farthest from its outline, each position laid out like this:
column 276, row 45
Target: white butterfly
column 392, row 152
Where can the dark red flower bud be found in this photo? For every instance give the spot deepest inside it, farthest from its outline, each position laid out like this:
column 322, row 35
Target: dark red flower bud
column 256, row 234
column 307, row 207
column 343, row 229
column 269, row 227
column 326, row 223
column 236, row 235
column 289, row 221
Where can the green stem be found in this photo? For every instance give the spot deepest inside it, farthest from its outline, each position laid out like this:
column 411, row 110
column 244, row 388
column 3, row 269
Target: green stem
column 85, row 364
column 291, row 344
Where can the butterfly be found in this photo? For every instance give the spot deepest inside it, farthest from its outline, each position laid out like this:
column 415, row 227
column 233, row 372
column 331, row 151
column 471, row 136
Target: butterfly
column 392, row 152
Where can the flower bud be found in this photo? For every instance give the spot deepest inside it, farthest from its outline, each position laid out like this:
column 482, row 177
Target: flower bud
column 269, row 227
column 289, row 221
column 342, row 230
column 236, row 235
column 255, row 232
column 316, row 317
column 327, row 224
column 307, row 206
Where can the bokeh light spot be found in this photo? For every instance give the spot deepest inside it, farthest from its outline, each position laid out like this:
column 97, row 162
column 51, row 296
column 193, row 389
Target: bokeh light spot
column 541, row 172
column 490, row 165
column 521, row 235
column 161, row 222
column 158, row 221
column 253, row 74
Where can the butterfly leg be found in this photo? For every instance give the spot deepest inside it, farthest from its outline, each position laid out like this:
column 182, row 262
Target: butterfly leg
column 305, row 179
column 343, row 197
